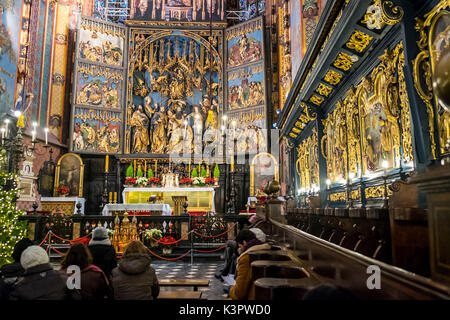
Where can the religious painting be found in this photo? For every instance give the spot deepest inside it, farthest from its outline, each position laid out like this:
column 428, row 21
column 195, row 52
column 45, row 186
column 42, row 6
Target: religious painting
column 311, row 10
column 70, row 173
column 98, row 86
column 245, row 43
column 295, row 36
column 178, row 10
column 246, row 87
column 263, row 169
column 96, row 131
column 97, row 105
column 175, row 90
column 10, row 14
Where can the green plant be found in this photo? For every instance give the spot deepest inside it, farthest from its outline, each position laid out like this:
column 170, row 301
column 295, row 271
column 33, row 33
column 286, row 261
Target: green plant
column 150, row 173
column 203, row 172
column 194, row 173
column 130, row 171
column 139, row 172
column 216, row 173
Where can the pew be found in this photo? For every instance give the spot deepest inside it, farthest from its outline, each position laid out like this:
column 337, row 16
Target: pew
column 195, row 283
column 184, row 295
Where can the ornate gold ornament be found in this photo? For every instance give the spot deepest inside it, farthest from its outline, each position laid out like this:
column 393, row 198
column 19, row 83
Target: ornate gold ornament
column 316, row 100
column 324, row 90
column 381, row 13
column 340, row 196
column 332, row 77
column 358, row 41
column 423, row 67
column 293, row 135
column 376, row 192
column 355, row 194
column 344, row 61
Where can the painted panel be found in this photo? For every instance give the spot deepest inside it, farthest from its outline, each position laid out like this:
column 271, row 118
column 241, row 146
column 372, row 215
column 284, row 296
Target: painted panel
column 10, row 14
column 246, row 87
column 178, row 10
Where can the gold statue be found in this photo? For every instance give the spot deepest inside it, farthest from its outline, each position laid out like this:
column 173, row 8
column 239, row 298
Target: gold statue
column 140, row 139
column 159, row 138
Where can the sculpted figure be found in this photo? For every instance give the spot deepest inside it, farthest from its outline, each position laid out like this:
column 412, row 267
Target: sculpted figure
column 140, row 123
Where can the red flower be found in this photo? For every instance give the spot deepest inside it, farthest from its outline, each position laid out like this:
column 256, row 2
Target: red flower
column 62, row 190
column 210, row 180
column 186, row 181
column 154, row 180
column 130, row 180
column 167, row 240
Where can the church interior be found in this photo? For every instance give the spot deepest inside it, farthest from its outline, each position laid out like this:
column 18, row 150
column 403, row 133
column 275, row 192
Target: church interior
column 180, row 124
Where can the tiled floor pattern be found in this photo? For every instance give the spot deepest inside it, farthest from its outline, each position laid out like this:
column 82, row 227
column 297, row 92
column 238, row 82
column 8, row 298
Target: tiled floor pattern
column 177, row 270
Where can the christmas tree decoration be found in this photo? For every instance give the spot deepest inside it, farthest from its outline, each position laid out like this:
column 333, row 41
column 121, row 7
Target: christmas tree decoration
column 216, row 171
column 11, row 229
column 150, row 173
column 203, row 172
column 194, row 173
column 139, row 173
column 130, row 171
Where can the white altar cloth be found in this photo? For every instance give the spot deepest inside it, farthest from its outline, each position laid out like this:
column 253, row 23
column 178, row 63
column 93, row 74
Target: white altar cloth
column 164, row 207
column 67, row 199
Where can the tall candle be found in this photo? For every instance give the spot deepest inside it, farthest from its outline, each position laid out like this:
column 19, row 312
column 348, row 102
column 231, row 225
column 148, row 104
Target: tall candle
column 232, row 163
column 110, row 197
column 107, row 163
column 46, row 135
column 33, row 135
column 6, row 127
column 145, row 168
column 156, row 166
column 189, row 168
column 3, row 134
column 115, row 197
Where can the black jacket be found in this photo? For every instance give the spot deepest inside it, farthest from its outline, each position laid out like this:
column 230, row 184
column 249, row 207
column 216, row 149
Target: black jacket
column 104, row 257
column 9, row 273
column 135, row 279
column 39, row 283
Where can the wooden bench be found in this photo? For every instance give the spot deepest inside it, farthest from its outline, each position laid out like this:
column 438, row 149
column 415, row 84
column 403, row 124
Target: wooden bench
column 188, row 295
column 195, row 283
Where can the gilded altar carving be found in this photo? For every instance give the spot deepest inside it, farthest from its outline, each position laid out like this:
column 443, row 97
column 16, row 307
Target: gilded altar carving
column 434, row 38
column 316, row 100
column 307, row 164
column 353, row 132
column 175, row 91
column 324, row 90
column 355, row 194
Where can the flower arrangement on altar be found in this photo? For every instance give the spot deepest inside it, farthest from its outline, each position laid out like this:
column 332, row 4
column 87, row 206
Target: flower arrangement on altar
column 167, row 241
column 130, row 181
column 62, row 190
column 185, row 181
column 142, row 181
column 154, row 181
column 153, row 235
column 199, row 181
column 210, row 181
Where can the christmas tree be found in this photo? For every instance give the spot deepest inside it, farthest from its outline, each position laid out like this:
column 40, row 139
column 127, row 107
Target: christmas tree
column 130, row 171
column 150, row 173
column 194, row 173
column 203, row 172
column 216, row 172
column 11, row 229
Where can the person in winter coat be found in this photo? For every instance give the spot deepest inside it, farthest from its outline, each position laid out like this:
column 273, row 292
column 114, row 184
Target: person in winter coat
column 93, row 285
column 134, row 278
column 103, row 253
column 244, row 288
column 39, row 281
column 9, row 273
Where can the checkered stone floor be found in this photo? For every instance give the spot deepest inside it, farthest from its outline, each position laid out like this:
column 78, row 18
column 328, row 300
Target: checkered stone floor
column 183, row 270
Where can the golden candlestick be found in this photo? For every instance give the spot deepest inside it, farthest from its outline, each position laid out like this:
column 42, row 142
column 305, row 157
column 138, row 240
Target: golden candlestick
column 115, row 197
column 110, row 197
column 107, row 163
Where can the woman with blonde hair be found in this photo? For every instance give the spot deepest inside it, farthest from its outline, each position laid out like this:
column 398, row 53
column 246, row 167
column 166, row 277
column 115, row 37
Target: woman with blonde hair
column 134, row 278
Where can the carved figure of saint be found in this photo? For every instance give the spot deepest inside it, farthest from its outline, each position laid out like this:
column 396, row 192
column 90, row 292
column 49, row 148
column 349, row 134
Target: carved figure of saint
column 159, row 138
column 140, row 123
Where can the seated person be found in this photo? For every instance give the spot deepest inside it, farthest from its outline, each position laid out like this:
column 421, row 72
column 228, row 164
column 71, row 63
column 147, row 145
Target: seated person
column 247, row 242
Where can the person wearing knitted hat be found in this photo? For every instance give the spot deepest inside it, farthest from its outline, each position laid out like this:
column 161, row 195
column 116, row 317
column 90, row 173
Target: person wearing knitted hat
column 39, row 281
column 103, row 253
column 9, row 273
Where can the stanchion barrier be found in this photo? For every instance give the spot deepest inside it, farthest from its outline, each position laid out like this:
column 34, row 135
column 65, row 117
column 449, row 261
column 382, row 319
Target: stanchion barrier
column 72, row 240
column 218, row 235
column 217, row 249
column 59, row 252
column 170, row 259
column 45, row 238
column 170, row 243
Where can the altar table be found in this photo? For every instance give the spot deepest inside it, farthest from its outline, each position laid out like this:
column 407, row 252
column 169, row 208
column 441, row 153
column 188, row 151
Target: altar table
column 67, row 205
column 110, row 208
column 199, row 198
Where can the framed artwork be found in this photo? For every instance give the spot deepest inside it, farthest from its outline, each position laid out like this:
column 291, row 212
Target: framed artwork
column 263, row 169
column 69, row 173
